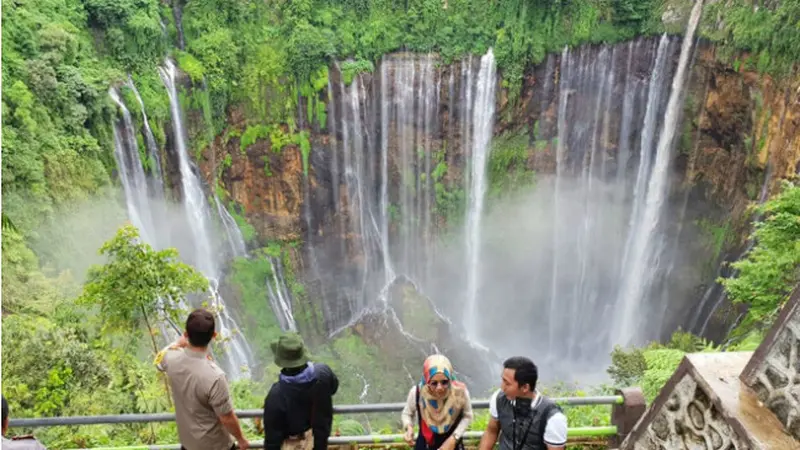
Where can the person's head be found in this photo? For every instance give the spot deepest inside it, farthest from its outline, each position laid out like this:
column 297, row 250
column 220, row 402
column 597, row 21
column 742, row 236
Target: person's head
column 437, row 374
column 200, row 328
column 5, row 415
column 289, row 352
column 519, row 377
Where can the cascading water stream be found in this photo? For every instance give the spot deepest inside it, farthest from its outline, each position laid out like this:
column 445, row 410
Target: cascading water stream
column 233, row 234
column 483, row 124
column 157, row 187
column 279, row 297
column 386, row 159
column 579, row 217
column 131, row 171
column 198, row 216
column 394, row 224
column 144, row 200
column 646, row 247
column 194, row 200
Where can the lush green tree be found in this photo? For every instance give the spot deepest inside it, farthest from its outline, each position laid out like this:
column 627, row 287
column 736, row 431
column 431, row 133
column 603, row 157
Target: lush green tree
column 139, row 284
column 771, row 269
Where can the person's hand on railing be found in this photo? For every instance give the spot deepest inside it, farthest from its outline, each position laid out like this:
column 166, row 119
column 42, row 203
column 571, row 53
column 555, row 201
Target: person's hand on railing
column 409, row 435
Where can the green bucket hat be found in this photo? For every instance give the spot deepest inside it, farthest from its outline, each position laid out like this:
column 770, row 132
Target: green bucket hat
column 289, row 351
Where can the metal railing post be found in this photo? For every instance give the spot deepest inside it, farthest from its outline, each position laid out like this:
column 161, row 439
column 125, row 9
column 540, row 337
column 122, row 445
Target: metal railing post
column 625, row 415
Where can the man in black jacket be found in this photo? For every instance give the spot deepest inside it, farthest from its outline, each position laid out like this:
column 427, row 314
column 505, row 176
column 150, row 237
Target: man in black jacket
column 298, row 410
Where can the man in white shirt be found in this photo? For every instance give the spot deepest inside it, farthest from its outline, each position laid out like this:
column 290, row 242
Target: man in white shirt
column 521, row 417
column 17, row 442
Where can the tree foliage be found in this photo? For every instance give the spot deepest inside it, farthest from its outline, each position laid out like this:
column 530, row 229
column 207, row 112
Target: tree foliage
column 64, row 366
column 771, row 269
column 139, row 283
column 770, row 31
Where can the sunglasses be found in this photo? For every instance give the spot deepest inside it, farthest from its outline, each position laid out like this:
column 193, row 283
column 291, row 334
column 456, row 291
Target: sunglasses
column 435, row 383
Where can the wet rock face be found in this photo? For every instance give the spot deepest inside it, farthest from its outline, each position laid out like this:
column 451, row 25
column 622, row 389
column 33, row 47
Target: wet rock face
column 747, row 129
column 273, row 203
column 266, row 184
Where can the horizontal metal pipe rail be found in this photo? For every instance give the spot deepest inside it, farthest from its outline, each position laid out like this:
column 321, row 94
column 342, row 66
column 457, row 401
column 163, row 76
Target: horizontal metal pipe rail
column 379, row 439
column 253, row 413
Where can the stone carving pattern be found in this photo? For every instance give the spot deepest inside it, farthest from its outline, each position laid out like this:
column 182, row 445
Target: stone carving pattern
column 688, row 421
column 777, row 379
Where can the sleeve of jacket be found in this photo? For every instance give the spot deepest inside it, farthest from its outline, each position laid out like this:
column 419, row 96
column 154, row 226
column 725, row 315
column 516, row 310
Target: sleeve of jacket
column 334, row 382
column 273, row 420
column 323, row 416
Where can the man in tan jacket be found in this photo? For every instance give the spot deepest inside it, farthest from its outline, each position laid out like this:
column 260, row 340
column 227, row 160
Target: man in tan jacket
column 203, row 406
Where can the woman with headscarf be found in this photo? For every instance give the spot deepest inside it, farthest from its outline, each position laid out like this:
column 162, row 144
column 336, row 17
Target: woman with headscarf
column 441, row 407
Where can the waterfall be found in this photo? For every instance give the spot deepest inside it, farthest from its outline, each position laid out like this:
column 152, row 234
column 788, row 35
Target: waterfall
column 193, row 197
column 552, row 260
column 384, row 157
column 233, row 234
column 553, row 264
column 157, row 185
column 482, row 122
column 643, row 263
column 279, row 298
column 131, row 172
column 655, row 92
column 142, row 211
column 198, row 218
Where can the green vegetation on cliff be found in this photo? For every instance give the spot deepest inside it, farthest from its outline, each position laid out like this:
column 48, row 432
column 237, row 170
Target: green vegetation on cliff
column 769, row 272
column 769, row 32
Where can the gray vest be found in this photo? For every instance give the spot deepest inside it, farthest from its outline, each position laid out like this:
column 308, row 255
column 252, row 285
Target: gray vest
column 523, row 433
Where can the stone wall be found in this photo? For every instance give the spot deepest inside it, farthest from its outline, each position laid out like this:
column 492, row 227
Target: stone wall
column 686, row 415
column 731, row 400
column 774, row 371
column 689, row 419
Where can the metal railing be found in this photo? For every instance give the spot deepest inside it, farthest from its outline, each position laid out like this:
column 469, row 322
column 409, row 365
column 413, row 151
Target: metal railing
column 333, row 440
column 254, row 413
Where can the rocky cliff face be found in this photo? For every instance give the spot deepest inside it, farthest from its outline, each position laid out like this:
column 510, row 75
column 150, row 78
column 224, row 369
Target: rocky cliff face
column 744, row 133
column 738, row 128
column 266, row 182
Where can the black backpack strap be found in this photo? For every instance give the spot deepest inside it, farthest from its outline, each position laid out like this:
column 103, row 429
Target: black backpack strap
column 419, row 413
